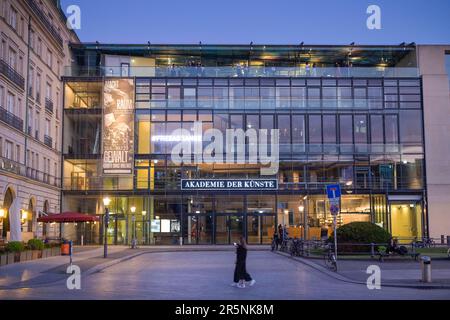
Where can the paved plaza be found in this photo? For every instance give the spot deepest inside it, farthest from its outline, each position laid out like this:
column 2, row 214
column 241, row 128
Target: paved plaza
column 198, row 275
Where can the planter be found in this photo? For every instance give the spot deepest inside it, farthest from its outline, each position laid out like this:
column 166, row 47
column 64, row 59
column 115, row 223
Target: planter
column 3, row 259
column 56, row 251
column 10, row 257
column 29, row 255
column 36, row 254
column 23, row 256
column 46, row 253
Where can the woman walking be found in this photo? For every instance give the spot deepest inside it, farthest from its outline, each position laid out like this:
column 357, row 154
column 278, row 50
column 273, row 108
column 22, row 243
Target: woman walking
column 240, row 272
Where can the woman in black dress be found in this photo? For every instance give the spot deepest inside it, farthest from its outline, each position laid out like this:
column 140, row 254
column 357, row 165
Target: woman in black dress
column 240, row 272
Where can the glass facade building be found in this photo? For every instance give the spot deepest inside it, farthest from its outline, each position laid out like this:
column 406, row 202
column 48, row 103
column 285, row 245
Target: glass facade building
column 345, row 114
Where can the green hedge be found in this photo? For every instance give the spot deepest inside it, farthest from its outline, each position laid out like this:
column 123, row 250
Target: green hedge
column 360, row 233
column 15, row 246
column 35, row 244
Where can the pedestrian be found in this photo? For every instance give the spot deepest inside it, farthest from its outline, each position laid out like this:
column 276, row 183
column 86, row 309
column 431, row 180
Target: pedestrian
column 241, row 275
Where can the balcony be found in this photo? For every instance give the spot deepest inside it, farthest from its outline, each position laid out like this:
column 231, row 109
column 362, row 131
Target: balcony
column 11, row 74
column 48, row 141
column 242, row 72
column 48, row 105
column 11, row 119
column 10, row 166
column 43, row 18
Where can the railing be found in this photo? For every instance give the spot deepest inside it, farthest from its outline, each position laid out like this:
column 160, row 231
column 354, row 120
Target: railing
column 43, row 18
column 95, row 183
column 15, row 167
column 144, row 101
column 48, row 141
column 11, row 119
column 238, row 72
column 49, row 105
column 12, row 74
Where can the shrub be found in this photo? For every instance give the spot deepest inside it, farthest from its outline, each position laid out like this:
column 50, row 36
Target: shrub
column 35, row 244
column 360, row 233
column 15, row 246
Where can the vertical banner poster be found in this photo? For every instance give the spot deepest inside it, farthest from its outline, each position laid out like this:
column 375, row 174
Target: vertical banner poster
column 118, row 126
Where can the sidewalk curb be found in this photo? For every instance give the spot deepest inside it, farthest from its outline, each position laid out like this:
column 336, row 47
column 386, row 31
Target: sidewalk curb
column 340, row 277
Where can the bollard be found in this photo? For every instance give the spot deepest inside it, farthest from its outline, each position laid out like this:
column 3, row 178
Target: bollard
column 426, row 269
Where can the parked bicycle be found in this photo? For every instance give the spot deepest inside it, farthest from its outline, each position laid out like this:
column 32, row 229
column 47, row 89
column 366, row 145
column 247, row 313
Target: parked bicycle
column 296, row 248
column 425, row 243
column 285, row 245
column 330, row 258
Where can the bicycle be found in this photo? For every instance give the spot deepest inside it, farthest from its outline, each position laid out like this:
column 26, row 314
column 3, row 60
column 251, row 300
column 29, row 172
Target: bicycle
column 274, row 244
column 425, row 243
column 296, row 248
column 330, row 259
column 284, row 245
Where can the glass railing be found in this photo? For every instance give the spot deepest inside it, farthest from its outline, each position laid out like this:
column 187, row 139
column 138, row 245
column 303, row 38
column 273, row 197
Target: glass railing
column 237, row 72
column 313, row 182
column 143, row 102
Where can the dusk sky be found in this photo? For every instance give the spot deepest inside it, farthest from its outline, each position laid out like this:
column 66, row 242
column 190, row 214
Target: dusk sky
column 271, row 22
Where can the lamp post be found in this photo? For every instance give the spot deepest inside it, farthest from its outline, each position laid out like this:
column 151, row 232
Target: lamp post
column 133, row 219
column 106, row 202
column 301, row 209
column 144, row 228
column 305, row 216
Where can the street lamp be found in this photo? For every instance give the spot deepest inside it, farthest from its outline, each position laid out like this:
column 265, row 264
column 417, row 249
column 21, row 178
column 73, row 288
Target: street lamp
column 144, row 228
column 133, row 219
column 303, row 209
column 106, row 202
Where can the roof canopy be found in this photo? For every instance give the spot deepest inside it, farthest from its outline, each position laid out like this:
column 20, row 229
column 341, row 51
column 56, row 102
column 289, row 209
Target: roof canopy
column 69, row 217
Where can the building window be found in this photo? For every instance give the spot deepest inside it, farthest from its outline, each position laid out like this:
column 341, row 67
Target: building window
column 49, row 58
column 10, row 103
column 47, row 127
column 411, row 126
column 38, row 88
column 39, row 47
column 30, row 82
column 8, row 150
column 48, row 91
column 32, row 36
column 13, row 18
column 2, row 96
column 12, row 59
column 36, row 125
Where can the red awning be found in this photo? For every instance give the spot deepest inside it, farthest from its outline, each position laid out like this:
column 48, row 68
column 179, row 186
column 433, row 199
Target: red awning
column 69, row 217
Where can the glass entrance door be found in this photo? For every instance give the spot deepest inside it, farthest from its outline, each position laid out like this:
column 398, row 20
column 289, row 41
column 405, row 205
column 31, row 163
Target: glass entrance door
column 260, row 229
column 406, row 220
column 229, row 228
column 199, row 229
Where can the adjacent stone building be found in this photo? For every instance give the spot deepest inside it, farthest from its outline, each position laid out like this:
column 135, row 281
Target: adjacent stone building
column 34, row 42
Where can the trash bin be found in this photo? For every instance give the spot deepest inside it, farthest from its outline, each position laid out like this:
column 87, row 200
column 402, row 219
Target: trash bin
column 65, row 248
column 425, row 262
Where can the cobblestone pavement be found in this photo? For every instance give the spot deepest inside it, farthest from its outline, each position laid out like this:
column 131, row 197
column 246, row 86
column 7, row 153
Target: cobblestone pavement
column 205, row 275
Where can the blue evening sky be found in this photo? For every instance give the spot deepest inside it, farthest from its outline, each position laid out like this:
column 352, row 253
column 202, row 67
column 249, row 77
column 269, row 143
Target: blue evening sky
column 262, row 21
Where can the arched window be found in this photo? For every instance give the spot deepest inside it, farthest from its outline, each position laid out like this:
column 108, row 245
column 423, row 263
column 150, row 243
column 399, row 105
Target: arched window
column 7, row 202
